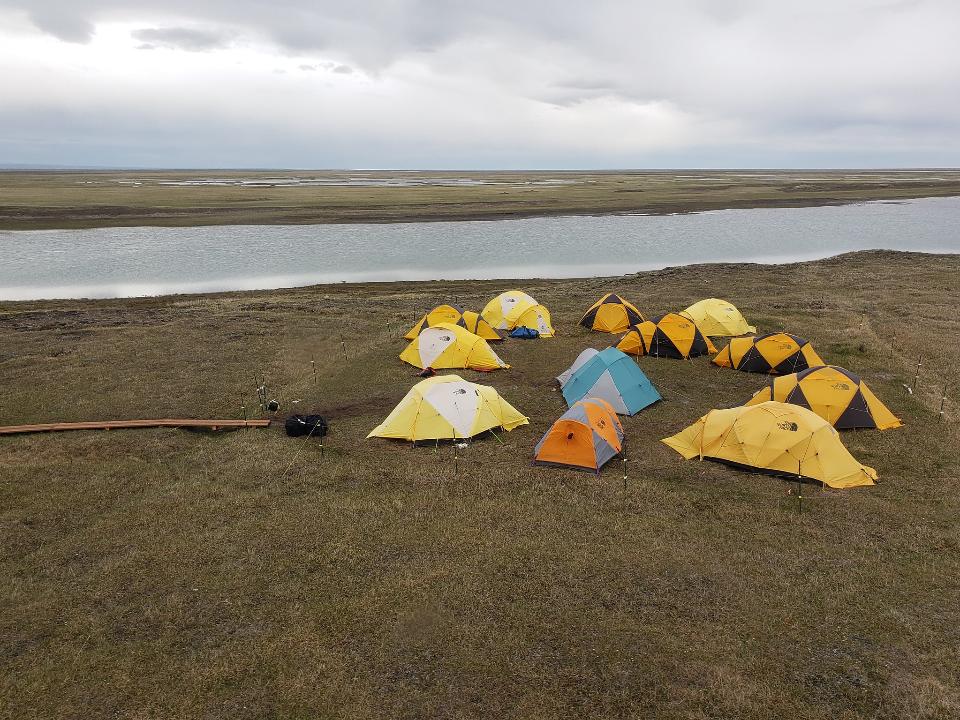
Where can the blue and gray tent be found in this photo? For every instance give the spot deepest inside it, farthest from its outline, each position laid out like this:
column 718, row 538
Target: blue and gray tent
column 614, row 377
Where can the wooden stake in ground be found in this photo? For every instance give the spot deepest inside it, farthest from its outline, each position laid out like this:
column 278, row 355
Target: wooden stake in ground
column 917, row 376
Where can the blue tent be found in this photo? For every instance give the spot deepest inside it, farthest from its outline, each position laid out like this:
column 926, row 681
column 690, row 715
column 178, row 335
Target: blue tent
column 612, row 376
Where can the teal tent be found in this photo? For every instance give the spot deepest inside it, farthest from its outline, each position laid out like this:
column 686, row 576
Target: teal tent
column 612, row 376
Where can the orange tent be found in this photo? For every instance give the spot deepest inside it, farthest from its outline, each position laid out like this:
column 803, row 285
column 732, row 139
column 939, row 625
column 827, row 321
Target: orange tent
column 585, row 437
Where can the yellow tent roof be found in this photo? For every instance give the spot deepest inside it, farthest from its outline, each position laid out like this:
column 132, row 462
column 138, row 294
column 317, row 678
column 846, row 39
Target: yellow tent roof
column 451, row 346
column 776, row 353
column 611, row 314
column 835, row 394
column 514, row 308
column 448, row 407
column 718, row 318
column 440, row 314
column 671, row 335
column 774, row 437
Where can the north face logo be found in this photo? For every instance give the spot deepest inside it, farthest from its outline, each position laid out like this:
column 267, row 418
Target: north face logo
column 601, row 423
column 791, row 426
column 445, row 337
column 840, row 386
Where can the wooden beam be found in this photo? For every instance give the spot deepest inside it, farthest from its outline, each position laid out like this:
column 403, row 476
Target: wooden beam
column 117, row 424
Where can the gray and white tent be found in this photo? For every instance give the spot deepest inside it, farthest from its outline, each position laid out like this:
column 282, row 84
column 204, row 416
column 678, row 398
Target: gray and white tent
column 582, row 359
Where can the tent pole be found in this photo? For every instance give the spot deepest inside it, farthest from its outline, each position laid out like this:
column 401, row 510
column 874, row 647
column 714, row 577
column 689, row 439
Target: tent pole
column 917, row 376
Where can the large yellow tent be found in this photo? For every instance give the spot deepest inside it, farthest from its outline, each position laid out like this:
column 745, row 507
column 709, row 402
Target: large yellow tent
column 774, row 353
column 671, row 335
column 835, row 394
column 718, row 318
column 611, row 314
column 448, row 407
column 450, row 314
column 514, row 308
column 451, row 346
column 777, row 438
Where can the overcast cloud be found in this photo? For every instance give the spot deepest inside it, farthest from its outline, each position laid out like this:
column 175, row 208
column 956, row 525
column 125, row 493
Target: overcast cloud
column 456, row 84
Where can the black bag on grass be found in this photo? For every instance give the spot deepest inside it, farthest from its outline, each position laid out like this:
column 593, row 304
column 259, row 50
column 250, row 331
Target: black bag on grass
column 300, row 425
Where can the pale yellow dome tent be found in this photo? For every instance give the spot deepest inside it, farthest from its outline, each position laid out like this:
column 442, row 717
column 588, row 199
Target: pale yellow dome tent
column 451, row 346
column 514, row 308
column 447, row 407
column 450, row 314
column 835, row 394
column 776, row 438
column 718, row 318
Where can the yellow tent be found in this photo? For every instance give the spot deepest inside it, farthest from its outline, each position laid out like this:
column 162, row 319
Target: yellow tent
column 449, row 314
column 776, row 438
column 671, row 335
column 835, row 394
column 611, row 314
column 774, row 353
column 513, row 308
column 718, row 318
column 448, row 407
column 451, row 346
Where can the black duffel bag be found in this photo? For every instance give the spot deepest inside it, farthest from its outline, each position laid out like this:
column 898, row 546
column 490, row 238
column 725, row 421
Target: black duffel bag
column 300, row 425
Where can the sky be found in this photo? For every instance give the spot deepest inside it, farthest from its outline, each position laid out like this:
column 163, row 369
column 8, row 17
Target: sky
column 497, row 84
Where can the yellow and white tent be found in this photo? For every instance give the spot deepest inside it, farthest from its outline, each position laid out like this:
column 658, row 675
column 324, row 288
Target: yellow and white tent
column 450, row 314
column 448, row 407
column 514, row 308
column 776, row 438
column 451, row 346
column 834, row 393
column 718, row 318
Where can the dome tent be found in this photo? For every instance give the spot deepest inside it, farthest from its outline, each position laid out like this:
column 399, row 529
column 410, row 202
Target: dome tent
column 611, row 314
column 612, row 376
column 514, row 308
column 581, row 360
column 835, row 394
column 718, row 318
column 447, row 407
column 774, row 353
column 450, row 314
column 451, row 346
column 670, row 335
column 585, row 437
column 775, row 438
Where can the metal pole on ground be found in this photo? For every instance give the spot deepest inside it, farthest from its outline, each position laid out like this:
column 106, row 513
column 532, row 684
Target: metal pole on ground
column 917, row 376
column 943, row 402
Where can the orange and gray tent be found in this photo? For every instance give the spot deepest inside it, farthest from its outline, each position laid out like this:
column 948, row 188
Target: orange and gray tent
column 670, row 336
column 611, row 314
column 835, row 394
column 774, row 438
column 774, row 353
column 585, row 437
column 450, row 314
column 451, row 346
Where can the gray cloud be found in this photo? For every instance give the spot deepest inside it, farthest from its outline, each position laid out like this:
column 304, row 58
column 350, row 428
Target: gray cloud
column 181, row 38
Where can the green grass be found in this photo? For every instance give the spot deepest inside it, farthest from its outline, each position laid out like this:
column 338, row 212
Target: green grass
column 167, row 574
column 78, row 199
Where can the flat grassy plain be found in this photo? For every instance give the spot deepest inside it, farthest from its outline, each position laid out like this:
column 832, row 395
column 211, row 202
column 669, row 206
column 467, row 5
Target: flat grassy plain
column 82, row 199
column 170, row 574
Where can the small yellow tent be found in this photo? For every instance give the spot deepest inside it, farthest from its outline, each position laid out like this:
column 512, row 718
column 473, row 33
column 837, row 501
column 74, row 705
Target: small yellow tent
column 478, row 326
column 835, row 394
column 776, row 438
column 514, row 308
column 718, row 318
column 449, row 314
column 448, row 407
column 611, row 314
column 451, row 346
column 671, row 335
column 774, row 353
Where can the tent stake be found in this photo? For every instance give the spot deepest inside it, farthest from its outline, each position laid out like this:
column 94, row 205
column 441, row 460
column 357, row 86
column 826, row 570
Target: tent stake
column 943, row 401
column 343, row 346
column 917, row 376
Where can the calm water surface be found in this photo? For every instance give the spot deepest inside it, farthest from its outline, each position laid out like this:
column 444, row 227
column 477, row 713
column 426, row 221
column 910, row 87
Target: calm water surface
column 124, row 262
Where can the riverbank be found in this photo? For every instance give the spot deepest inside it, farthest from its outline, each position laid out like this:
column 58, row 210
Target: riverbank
column 88, row 199
column 162, row 572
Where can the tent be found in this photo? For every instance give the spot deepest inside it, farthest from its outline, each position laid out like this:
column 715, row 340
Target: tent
column 612, row 376
column 835, row 394
column 448, row 407
column 451, row 346
column 450, row 314
column 581, row 360
column 718, row 318
column 611, row 314
column 513, row 308
column 775, row 438
column 774, row 353
column 670, row 335
column 586, row 437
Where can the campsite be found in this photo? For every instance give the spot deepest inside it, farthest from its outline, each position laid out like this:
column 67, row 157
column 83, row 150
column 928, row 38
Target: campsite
column 158, row 572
